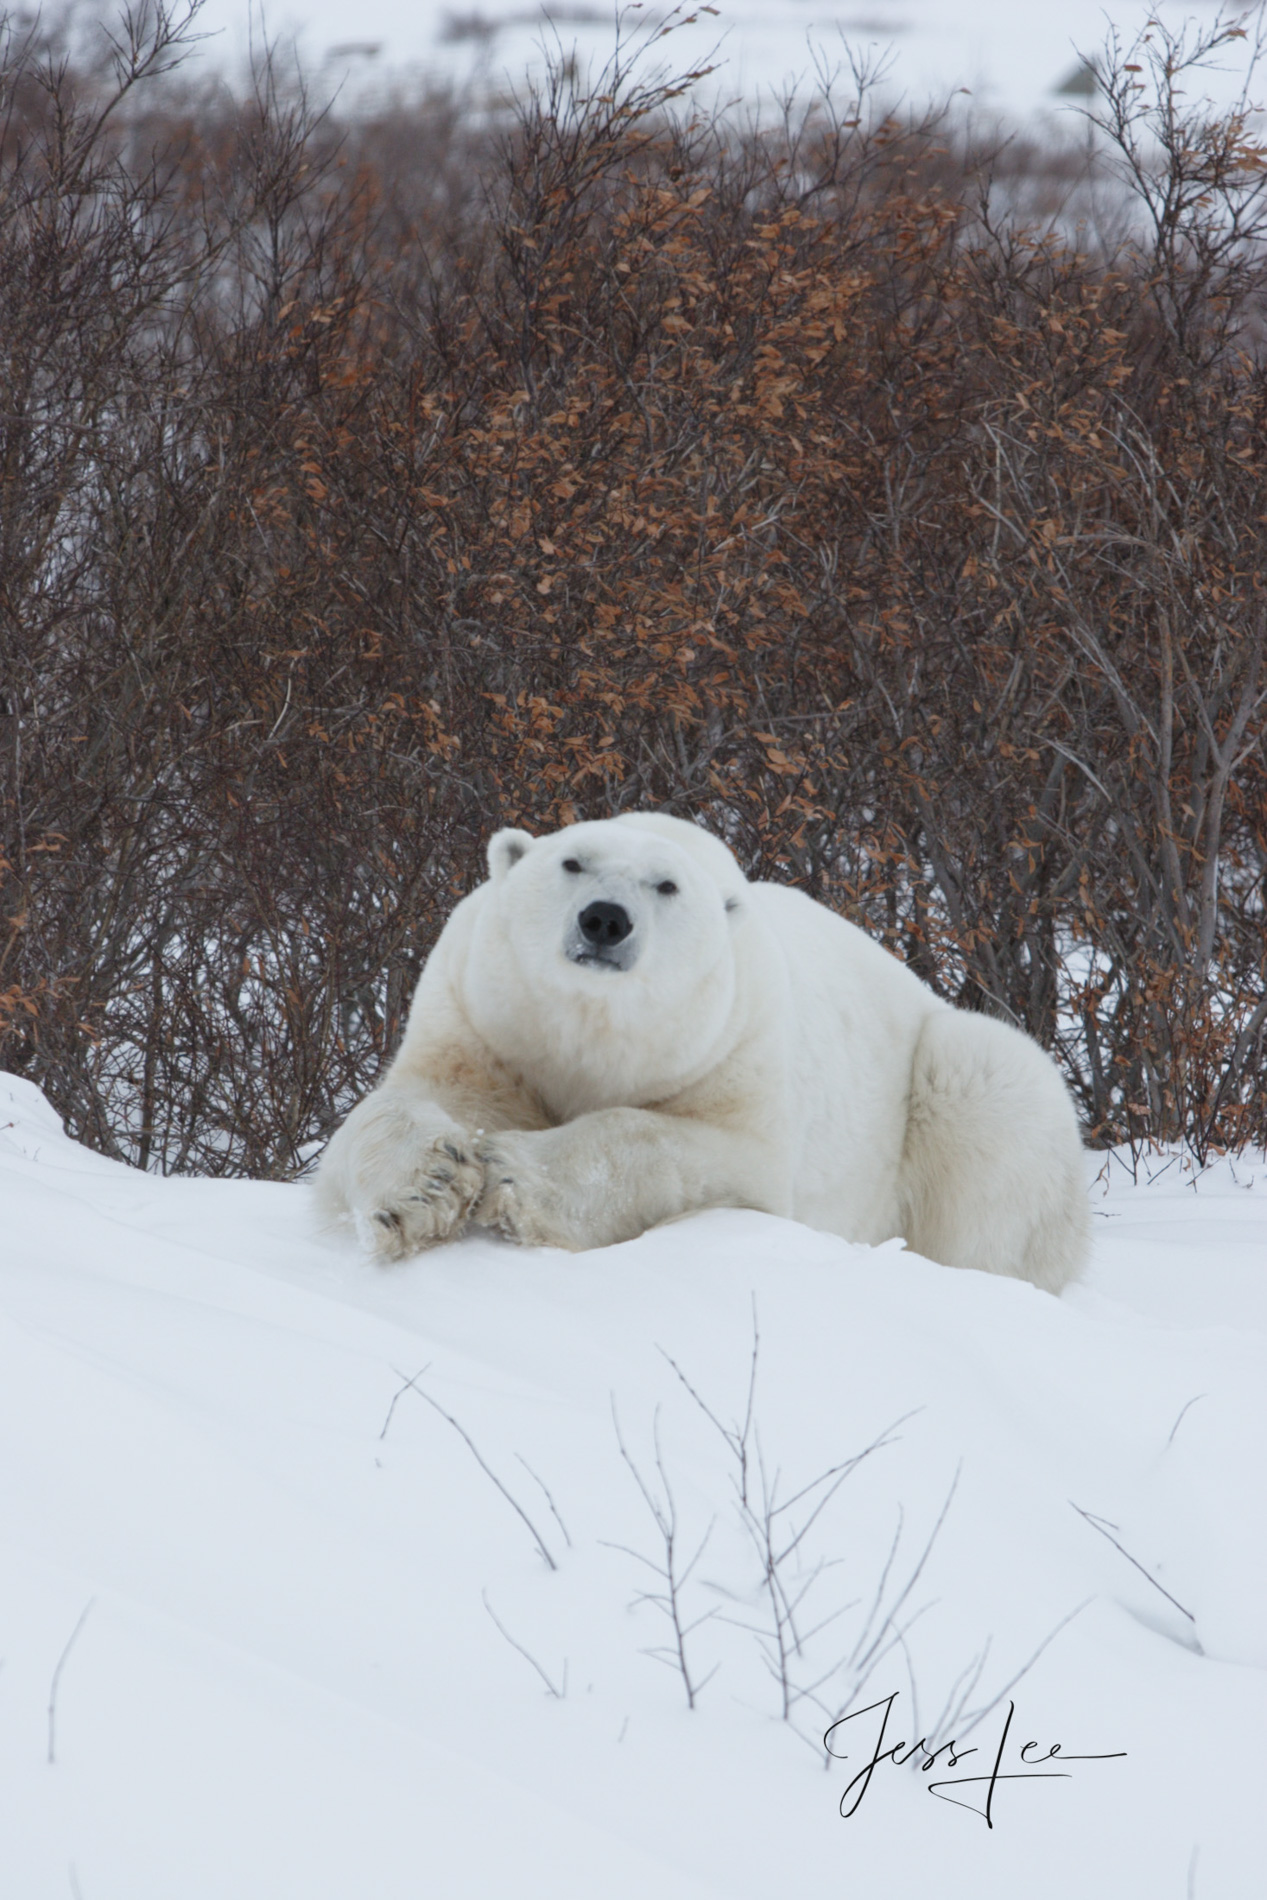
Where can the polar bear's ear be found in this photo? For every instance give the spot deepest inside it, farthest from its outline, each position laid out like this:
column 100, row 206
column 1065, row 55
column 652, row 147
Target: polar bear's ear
column 505, row 848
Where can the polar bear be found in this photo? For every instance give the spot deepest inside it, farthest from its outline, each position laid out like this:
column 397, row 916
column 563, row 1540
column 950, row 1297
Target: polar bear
column 617, row 1029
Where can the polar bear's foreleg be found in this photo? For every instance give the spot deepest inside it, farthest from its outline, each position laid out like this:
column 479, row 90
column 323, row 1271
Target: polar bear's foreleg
column 611, row 1174
column 405, row 1171
column 992, row 1167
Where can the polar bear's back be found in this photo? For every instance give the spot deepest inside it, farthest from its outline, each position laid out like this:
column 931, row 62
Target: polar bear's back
column 838, row 960
column 855, row 1019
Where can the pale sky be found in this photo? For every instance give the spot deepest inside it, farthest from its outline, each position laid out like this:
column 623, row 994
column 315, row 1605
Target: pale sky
column 1010, row 56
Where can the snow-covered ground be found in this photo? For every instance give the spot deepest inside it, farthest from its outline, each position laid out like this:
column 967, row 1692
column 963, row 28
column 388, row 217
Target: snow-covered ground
column 1010, row 56
column 275, row 1622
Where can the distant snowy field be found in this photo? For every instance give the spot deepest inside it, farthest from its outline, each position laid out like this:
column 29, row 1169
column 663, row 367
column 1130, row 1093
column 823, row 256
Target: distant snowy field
column 1010, row 56
column 244, row 1572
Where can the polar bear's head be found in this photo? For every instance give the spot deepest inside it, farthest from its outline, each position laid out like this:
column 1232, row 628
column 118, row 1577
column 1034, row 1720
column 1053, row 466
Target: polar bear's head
column 602, row 963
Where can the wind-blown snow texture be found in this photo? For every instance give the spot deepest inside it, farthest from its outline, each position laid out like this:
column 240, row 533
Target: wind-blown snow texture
column 288, row 1683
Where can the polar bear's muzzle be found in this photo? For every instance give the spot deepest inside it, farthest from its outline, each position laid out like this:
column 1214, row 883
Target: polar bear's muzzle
column 602, row 938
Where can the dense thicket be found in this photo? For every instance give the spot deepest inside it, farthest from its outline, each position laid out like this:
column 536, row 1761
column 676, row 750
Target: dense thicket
column 364, row 487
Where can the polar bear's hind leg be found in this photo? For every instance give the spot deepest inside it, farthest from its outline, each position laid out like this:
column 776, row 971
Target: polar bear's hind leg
column 992, row 1168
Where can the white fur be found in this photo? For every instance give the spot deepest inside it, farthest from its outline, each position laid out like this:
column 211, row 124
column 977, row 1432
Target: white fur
column 757, row 1051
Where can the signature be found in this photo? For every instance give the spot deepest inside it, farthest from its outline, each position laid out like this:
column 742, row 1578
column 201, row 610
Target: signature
column 900, row 1753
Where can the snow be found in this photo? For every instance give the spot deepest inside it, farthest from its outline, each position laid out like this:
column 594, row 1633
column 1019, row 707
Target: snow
column 247, row 1563
column 1000, row 57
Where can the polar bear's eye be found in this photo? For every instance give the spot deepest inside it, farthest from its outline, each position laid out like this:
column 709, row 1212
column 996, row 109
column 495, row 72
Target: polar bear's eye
column 668, row 888
column 572, row 864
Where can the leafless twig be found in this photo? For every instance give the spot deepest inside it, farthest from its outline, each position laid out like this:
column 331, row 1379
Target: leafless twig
column 1106, row 1530
column 411, row 1385
column 558, row 1694
column 735, row 1436
column 672, row 1572
column 61, row 1664
column 549, row 1497
column 1183, row 1414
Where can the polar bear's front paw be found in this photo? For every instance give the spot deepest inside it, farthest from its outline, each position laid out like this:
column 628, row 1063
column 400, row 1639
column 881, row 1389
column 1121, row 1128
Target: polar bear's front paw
column 427, row 1207
column 517, row 1201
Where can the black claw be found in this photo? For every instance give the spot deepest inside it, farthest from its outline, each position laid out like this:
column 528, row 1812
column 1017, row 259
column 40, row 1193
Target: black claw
column 385, row 1219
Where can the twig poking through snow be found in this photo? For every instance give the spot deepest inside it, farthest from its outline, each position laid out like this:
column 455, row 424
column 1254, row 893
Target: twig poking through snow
column 1179, row 1421
column 668, row 1600
column 964, row 1720
column 1099, row 1524
column 863, row 1657
column 777, row 1543
column 52, row 1687
column 411, row 1385
column 527, row 1655
column 736, row 1436
column 554, row 1509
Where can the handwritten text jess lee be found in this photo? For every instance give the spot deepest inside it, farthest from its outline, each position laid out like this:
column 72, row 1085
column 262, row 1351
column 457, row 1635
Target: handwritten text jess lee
column 902, row 1752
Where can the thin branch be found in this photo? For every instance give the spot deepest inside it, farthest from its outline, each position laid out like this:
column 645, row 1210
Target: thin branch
column 1196, row 1397
column 527, row 1655
column 548, row 1497
column 915, row 1575
column 1098, row 1524
column 979, row 1715
column 411, row 1385
column 57, row 1673
column 674, row 1577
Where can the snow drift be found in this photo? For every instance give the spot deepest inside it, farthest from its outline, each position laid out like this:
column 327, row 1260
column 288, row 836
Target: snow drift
column 327, row 1580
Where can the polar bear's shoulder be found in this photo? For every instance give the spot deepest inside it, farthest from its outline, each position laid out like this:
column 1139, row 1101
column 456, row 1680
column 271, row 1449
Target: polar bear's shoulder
column 818, row 939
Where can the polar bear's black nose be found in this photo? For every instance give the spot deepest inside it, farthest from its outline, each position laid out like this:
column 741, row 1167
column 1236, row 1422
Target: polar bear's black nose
column 605, row 923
